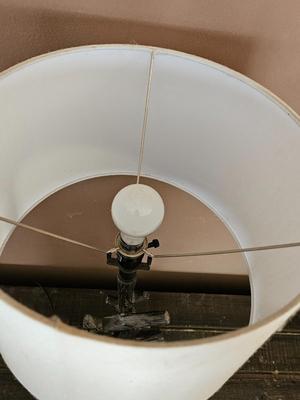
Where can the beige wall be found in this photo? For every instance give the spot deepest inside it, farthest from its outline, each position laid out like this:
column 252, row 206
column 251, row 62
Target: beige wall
column 260, row 38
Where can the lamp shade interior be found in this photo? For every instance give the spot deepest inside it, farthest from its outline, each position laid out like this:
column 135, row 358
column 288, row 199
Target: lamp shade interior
column 82, row 211
column 78, row 113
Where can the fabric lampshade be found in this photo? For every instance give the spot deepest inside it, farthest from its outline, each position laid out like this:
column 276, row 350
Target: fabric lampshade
column 77, row 113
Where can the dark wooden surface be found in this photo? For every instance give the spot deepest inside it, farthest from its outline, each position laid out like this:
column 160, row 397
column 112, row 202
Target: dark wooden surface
column 273, row 373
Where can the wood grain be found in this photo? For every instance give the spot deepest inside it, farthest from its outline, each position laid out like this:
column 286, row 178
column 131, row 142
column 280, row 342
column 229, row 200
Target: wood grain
column 273, row 373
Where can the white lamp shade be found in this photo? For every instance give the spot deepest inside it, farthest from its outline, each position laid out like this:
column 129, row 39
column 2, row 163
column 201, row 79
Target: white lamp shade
column 78, row 113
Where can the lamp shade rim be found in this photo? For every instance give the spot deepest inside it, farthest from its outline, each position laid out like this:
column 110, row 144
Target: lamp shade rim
column 159, row 50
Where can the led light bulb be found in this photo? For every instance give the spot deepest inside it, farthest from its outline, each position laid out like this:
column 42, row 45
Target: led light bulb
column 137, row 211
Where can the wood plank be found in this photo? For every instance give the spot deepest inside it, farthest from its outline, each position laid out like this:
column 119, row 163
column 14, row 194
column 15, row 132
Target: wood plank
column 279, row 355
column 259, row 387
column 161, row 281
column 10, row 389
column 228, row 312
column 272, row 373
column 192, row 309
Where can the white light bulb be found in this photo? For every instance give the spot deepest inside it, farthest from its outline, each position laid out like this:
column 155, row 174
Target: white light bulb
column 137, row 211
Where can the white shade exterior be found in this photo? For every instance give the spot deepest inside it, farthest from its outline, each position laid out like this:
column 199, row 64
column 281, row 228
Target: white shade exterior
column 78, row 113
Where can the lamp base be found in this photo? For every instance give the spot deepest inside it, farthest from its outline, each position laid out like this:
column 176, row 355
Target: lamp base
column 139, row 326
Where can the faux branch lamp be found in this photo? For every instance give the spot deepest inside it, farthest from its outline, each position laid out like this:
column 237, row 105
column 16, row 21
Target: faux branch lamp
column 79, row 113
